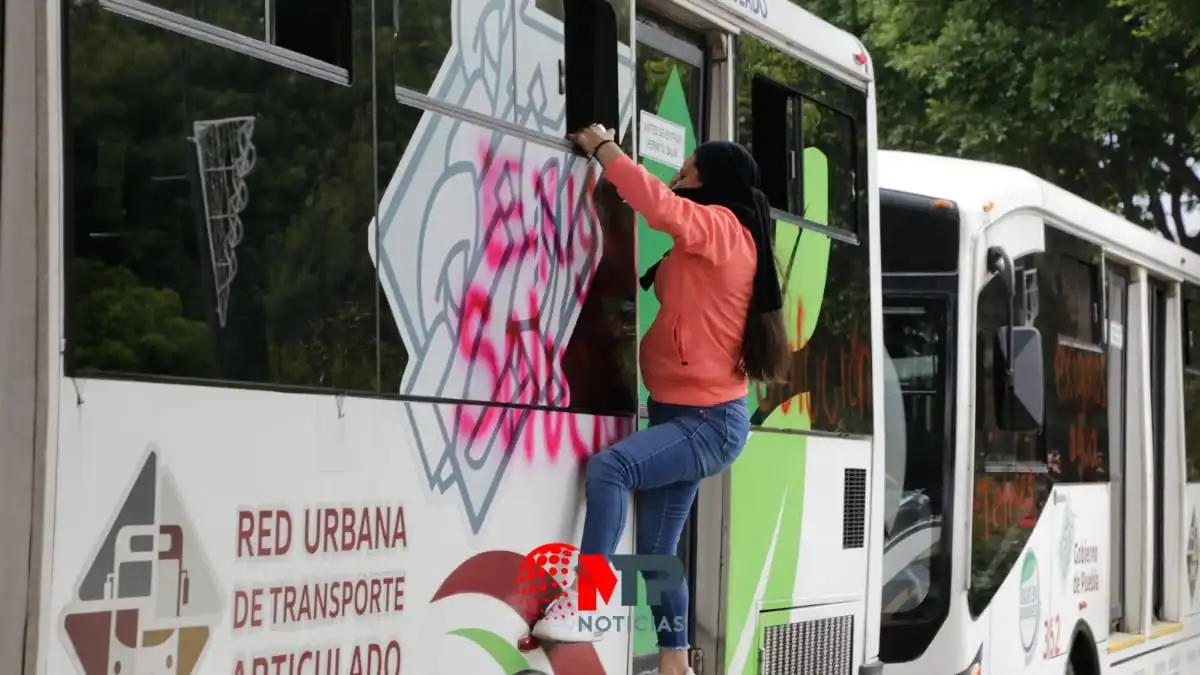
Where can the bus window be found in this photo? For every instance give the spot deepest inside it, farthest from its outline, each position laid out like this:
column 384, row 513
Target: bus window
column 239, row 217
column 918, row 235
column 1010, row 483
column 311, row 36
column 1076, row 367
column 785, row 130
column 217, row 204
column 916, row 563
column 319, row 30
column 807, row 132
column 1191, row 378
column 1071, row 289
column 577, row 73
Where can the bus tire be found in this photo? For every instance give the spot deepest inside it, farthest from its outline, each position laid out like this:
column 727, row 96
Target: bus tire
column 1082, row 659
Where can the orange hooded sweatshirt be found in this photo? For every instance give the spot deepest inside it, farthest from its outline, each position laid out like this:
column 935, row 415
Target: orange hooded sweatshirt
column 691, row 354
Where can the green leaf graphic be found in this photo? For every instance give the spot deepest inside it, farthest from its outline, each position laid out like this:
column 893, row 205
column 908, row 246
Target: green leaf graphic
column 506, row 655
column 652, row 244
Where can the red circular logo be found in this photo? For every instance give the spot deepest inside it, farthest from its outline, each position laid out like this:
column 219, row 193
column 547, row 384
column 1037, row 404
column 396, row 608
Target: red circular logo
column 545, row 573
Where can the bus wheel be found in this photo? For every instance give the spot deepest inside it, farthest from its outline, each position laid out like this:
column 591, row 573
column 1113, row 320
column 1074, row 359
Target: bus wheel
column 1080, row 661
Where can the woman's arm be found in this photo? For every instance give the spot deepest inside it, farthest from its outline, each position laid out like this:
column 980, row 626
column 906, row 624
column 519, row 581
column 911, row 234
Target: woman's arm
column 709, row 231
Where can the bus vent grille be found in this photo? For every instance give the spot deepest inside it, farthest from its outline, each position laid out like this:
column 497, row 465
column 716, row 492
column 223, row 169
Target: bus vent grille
column 854, row 509
column 814, row 647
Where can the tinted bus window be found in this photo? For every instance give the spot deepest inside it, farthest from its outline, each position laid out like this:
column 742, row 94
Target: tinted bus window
column 919, row 235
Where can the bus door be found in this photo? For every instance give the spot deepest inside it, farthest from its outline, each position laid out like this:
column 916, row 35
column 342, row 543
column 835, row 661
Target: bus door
column 1117, row 300
column 671, row 116
column 1158, row 361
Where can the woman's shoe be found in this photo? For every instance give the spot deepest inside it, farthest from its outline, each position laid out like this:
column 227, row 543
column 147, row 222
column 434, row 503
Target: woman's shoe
column 564, row 622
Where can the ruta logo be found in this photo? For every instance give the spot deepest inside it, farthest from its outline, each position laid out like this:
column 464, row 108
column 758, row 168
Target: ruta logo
column 148, row 601
column 547, row 571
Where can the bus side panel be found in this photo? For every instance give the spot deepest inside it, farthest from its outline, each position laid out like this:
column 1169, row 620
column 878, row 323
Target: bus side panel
column 797, row 559
column 1060, row 579
column 180, row 541
column 292, row 529
column 1180, row 657
column 797, row 505
column 1182, row 651
column 1191, row 603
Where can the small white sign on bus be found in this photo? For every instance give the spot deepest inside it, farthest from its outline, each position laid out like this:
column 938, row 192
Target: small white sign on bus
column 1116, row 335
column 661, row 140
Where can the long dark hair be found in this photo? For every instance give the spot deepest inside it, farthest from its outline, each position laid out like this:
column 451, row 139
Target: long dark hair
column 729, row 177
column 766, row 354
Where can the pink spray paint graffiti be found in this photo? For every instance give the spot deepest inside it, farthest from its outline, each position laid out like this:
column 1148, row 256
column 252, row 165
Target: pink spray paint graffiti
column 518, row 310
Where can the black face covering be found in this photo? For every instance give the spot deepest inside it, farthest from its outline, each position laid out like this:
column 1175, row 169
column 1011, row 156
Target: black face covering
column 729, row 178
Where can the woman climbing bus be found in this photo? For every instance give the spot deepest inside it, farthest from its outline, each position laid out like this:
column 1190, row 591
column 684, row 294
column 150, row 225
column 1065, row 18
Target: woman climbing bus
column 720, row 325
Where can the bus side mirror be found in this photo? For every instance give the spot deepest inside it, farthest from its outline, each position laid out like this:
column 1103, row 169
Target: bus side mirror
column 1020, row 382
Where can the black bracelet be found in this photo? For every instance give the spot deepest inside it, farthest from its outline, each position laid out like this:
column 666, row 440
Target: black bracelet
column 597, row 148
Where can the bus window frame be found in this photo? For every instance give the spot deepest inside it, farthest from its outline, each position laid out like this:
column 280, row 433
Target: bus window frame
column 860, row 159
column 186, row 26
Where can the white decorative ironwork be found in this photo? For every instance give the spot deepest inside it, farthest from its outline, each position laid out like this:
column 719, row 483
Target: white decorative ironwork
column 225, row 153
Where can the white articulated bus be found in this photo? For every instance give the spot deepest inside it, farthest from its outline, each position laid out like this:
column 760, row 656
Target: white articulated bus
column 311, row 319
column 1043, row 508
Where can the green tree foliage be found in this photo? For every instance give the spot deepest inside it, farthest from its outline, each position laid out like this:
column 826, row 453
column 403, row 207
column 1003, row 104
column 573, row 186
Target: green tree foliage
column 1169, row 22
column 1172, row 29
column 124, row 326
column 1099, row 96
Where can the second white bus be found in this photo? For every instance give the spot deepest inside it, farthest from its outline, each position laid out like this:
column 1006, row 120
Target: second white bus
column 1042, row 511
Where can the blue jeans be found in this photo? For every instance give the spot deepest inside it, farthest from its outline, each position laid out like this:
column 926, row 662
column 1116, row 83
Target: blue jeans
column 663, row 464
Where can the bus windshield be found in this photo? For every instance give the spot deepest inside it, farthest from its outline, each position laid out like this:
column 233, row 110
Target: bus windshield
column 919, row 418
column 918, row 235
